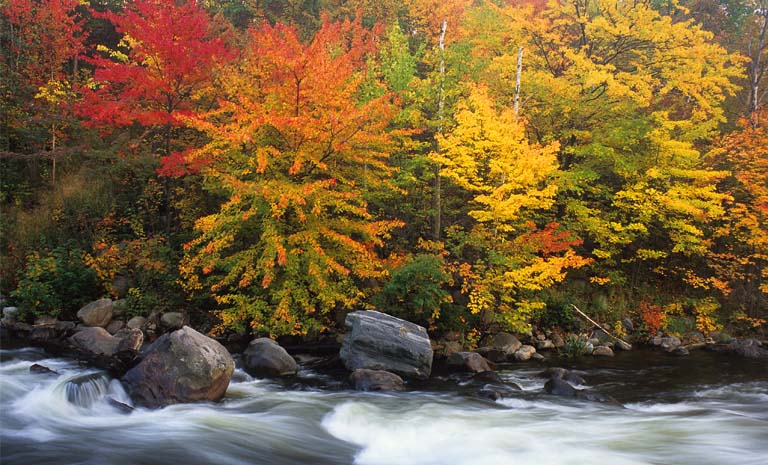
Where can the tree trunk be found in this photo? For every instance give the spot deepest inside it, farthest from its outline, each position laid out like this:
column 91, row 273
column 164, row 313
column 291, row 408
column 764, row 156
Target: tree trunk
column 440, row 104
column 517, row 80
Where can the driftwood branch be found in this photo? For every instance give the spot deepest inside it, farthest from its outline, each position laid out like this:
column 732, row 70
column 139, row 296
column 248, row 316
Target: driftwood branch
column 596, row 324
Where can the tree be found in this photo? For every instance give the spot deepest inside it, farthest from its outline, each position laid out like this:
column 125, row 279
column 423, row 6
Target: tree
column 509, row 180
column 41, row 42
column 165, row 60
column 293, row 146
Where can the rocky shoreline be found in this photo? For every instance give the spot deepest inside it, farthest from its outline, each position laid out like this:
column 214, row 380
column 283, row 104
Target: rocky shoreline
column 162, row 361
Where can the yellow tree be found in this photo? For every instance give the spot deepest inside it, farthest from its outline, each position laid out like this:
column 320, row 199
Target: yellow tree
column 631, row 94
column 292, row 148
column 508, row 179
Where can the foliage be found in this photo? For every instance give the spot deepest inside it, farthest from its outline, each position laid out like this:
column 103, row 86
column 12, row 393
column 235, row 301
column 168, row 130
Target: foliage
column 57, row 283
column 575, row 346
column 416, row 291
column 653, row 317
column 290, row 156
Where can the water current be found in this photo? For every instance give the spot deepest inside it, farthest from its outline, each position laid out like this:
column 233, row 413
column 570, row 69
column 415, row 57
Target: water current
column 706, row 409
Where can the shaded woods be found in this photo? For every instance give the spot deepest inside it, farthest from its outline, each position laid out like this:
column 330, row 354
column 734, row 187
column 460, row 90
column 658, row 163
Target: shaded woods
column 270, row 168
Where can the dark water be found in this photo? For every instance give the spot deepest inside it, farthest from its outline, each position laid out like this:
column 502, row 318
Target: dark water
column 702, row 410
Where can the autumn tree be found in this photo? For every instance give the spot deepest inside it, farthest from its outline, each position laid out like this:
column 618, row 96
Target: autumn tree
column 630, row 94
column 293, row 149
column 741, row 256
column 41, row 44
column 509, row 180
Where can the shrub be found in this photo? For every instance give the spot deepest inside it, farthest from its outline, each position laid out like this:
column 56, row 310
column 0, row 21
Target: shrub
column 57, row 284
column 417, row 291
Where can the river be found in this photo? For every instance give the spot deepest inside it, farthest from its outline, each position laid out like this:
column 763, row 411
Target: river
column 706, row 409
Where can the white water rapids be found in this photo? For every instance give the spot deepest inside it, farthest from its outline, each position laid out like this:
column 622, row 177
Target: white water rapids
column 68, row 418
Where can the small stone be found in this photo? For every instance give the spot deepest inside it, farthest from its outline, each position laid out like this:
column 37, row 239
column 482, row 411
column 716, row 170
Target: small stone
column 451, row 347
column 627, row 324
column 41, row 370
column 588, row 348
column 621, row 345
column 525, row 353
column 130, row 340
column 136, row 322
column 656, row 341
column 538, row 357
column 680, row 351
column 670, row 343
column 545, row 345
column 602, row 351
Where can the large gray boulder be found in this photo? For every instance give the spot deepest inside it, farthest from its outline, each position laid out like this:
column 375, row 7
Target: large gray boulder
column 265, row 358
column 182, row 366
column 378, row 341
column 98, row 313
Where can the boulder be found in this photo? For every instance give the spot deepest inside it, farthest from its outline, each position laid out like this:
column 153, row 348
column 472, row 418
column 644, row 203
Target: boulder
column 265, row 358
column 119, row 308
column 98, row 313
column 378, row 341
column 506, row 342
column 376, row 380
column 95, row 341
column 136, row 322
column 559, row 387
column 491, row 353
column 65, row 327
column 469, row 361
column 451, row 347
column 172, row 320
column 749, row 348
column 114, row 326
column 670, row 343
column 565, row 375
column 130, row 340
column 538, row 357
column 621, row 345
column 182, row 366
column 10, row 313
column 602, row 351
column 524, row 353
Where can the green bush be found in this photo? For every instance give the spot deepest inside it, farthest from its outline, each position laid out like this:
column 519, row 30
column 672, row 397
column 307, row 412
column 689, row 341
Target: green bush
column 575, row 346
column 57, row 284
column 417, row 291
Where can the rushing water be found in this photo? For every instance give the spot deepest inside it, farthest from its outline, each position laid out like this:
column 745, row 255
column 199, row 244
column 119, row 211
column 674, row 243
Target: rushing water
column 703, row 410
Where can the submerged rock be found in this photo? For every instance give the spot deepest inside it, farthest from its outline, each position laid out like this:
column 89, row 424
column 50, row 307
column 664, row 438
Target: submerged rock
column 559, row 387
column 378, row 341
column 98, row 313
column 41, row 370
column 469, row 361
column 265, row 358
column 376, row 380
column 182, row 366
column 562, row 373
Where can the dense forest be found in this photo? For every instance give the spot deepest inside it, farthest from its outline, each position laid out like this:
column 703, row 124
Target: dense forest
column 269, row 166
